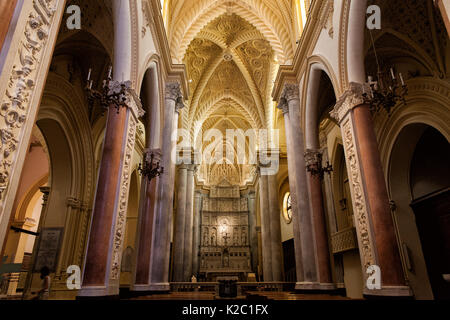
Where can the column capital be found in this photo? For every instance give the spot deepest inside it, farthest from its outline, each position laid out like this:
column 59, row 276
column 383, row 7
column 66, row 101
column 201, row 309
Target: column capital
column 157, row 154
column 291, row 92
column 351, row 98
column 313, row 157
column 173, row 92
column 193, row 168
column 131, row 98
column 283, row 105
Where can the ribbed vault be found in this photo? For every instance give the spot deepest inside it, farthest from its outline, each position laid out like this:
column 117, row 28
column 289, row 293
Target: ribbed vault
column 231, row 50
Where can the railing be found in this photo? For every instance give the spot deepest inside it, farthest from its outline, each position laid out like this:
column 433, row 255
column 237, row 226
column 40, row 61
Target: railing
column 243, row 287
column 194, row 286
column 344, row 240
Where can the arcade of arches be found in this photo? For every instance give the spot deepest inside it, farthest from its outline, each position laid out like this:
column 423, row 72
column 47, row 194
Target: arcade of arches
column 241, row 102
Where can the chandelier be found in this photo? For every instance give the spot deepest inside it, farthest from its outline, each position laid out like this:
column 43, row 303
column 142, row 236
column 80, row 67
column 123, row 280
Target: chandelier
column 113, row 93
column 149, row 169
column 386, row 92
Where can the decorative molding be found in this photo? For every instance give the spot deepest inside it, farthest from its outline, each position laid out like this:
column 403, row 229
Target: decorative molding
column 290, row 92
column 361, row 215
column 123, row 200
column 345, row 13
column 351, row 98
column 17, row 98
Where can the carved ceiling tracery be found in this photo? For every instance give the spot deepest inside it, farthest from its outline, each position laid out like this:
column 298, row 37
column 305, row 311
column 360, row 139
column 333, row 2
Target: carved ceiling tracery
column 230, row 49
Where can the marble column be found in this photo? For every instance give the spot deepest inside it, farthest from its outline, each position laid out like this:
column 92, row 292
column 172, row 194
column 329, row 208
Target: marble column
column 6, row 14
column 253, row 234
column 147, row 209
column 374, row 225
column 275, row 228
column 180, row 217
column 159, row 266
column 291, row 169
column 196, row 242
column 306, row 245
column 307, row 275
column 189, row 223
column 265, row 226
column 104, row 251
column 336, row 261
column 314, row 158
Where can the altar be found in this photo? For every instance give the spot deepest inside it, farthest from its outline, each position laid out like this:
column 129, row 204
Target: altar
column 225, row 249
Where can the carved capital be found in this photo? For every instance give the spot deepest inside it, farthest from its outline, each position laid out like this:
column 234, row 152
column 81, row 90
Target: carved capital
column 283, row 105
column 291, row 92
column 351, row 98
column 313, row 157
column 157, row 154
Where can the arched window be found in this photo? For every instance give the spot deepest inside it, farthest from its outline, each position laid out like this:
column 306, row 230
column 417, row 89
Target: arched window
column 287, row 207
column 300, row 6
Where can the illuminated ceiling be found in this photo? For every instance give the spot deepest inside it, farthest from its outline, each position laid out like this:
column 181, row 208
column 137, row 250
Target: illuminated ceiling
column 231, row 51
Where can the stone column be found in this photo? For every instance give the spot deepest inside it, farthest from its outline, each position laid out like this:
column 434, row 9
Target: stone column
column 189, row 222
column 375, row 229
column 444, row 7
column 180, row 218
column 305, row 255
column 253, row 234
column 314, row 158
column 197, row 234
column 275, row 228
column 265, row 226
column 336, row 263
column 104, row 251
column 147, row 207
column 159, row 266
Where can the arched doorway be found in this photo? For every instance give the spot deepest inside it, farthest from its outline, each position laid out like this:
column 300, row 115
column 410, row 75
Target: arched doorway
column 419, row 183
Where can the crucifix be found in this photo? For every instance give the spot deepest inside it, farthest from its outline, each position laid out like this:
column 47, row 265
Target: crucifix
column 225, row 237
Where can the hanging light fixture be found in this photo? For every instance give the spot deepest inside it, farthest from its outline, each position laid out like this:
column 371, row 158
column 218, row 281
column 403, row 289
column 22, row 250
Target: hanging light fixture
column 387, row 90
column 149, row 169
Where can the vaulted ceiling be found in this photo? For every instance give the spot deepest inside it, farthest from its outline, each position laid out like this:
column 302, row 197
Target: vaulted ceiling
column 231, row 51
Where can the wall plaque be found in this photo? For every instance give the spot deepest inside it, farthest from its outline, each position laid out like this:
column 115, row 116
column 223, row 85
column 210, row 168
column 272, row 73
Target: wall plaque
column 49, row 243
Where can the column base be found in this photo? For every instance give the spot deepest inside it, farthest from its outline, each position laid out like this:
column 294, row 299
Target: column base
column 162, row 287
column 319, row 288
column 98, row 292
column 400, row 292
column 315, row 286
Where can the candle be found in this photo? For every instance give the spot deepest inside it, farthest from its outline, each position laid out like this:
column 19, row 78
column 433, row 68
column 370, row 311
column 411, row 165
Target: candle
column 401, row 79
column 370, row 79
column 90, row 84
column 392, row 74
column 109, row 72
column 89, row 74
